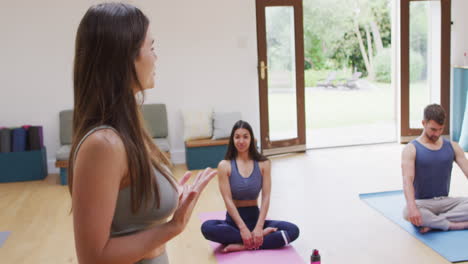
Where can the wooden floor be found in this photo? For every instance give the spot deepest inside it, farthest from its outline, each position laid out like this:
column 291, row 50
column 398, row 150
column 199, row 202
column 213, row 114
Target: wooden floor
column 317, row 190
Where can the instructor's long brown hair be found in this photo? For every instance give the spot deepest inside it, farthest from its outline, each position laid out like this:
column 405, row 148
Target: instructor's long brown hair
column 107, row 44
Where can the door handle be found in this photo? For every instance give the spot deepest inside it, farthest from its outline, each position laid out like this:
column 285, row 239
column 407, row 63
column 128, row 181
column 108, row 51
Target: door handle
column 263, row 69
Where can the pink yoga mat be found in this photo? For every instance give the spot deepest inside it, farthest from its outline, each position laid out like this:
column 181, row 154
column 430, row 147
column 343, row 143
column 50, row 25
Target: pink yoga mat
column 285, row 255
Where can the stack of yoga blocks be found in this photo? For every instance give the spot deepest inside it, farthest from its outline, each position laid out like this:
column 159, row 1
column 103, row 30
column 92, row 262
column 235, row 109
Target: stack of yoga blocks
column 22, row 154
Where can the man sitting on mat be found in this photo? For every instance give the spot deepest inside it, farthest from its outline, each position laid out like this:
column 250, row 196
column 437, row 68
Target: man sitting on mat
column 427, row 166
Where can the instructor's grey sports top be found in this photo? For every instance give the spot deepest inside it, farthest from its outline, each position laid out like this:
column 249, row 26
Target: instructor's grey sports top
column 245, row 188
column 125, row 222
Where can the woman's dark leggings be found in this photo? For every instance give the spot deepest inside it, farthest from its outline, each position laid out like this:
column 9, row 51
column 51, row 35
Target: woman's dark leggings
column 226, row 232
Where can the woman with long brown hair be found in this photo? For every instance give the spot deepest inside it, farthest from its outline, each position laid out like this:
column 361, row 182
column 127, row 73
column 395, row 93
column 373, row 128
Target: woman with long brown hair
column 122, row 189
column 243, row 174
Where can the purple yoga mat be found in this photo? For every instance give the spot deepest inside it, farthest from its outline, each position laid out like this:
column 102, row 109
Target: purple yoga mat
column 271, row 256
column 3, row 237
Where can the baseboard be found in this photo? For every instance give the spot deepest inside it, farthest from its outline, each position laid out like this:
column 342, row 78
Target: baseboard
column 178, row 156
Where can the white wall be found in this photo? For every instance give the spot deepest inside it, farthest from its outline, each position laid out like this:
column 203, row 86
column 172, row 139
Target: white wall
column 459, row 32
column 207, row 58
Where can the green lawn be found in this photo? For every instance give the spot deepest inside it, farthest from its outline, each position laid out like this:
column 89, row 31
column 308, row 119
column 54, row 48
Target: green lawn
column 331, row 108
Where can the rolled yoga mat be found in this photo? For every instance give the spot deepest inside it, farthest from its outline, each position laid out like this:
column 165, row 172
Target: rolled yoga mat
column 271, row 256
column 451, row 245
column 5, row 140
column 35, row 137
column 18, row 140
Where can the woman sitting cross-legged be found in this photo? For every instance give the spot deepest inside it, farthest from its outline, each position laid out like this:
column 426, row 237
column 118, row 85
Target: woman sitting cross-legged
column 242, row 175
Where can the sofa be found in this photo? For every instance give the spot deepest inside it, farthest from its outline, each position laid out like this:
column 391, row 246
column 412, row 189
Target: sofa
column 155, row 116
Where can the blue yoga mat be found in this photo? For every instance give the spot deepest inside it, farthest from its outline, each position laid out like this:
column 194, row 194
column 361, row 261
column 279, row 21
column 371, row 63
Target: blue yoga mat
column 452, row 245
column 3, row 237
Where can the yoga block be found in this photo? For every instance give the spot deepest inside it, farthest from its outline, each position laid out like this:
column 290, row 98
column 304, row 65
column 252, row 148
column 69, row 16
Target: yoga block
column 23, row 166
column 200, row 154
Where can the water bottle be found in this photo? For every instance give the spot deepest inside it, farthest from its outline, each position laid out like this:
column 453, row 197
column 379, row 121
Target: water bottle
column 315, row 257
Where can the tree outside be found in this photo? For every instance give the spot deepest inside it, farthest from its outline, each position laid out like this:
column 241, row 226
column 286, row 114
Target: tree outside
column 341, row 38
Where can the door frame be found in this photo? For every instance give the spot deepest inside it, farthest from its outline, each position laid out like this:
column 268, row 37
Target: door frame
column 287, row 145
column 406, row 132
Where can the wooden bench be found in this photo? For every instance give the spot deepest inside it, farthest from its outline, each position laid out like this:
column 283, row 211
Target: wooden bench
column 63, row 166
column 203, row 153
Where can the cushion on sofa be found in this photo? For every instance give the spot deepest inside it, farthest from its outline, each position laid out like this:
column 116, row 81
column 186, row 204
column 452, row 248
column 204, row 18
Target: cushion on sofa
column 66, row 126
column 223, row 123
column 198, row 124
column 63, row 153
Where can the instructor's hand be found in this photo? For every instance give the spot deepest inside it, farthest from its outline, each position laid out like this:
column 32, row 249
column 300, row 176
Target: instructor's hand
column 188, row 196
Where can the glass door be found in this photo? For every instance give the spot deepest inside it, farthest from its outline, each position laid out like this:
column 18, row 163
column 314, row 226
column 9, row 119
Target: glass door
column 281, row 76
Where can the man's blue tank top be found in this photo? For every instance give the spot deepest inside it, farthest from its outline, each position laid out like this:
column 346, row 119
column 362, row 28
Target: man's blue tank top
column 433, row 169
